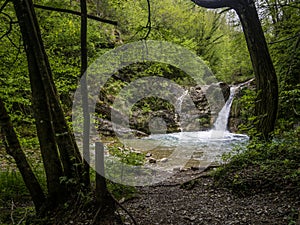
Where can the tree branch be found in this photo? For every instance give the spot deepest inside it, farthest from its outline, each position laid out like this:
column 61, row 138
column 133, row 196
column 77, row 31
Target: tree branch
column 3, row 6
column 10, row 26
column 50, row 8
column 283, row 40
column 214, row 4
column 225, row 10
column 149, row 20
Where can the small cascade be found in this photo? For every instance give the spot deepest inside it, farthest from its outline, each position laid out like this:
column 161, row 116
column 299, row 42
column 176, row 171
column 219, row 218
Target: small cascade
column 222, row 119
column 180, row 100
column 179, row 103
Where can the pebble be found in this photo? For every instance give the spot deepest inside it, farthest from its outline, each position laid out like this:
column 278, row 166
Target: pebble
column 163, row 160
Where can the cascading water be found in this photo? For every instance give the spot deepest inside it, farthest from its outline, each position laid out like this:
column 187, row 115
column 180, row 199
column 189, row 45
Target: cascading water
column 179, row 103
column 180, row 100
column 222, row 119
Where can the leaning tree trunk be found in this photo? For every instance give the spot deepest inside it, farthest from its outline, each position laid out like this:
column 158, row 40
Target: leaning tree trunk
column 266, row 80
column 69, row 153
column 38, row 72
column 14, row 149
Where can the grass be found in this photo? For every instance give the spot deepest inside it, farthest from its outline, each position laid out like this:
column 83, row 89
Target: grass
column 15, row 203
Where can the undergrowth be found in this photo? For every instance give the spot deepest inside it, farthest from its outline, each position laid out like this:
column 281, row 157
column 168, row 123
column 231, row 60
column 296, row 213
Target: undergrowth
column 264, row 166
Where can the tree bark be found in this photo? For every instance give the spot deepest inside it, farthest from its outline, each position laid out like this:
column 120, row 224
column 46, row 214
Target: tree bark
column 38, row 71
column 85, row 105
column 266, row 80
column 69, row 153
column 105, row 201
column 14, row 149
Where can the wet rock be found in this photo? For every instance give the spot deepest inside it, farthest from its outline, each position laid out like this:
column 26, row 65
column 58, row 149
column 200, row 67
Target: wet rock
column 152, row 160
column 106, row 127
column 176, row 169
column 194, row 168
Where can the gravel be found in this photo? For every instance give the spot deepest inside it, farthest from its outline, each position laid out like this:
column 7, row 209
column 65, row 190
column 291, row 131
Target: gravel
column 202, row 203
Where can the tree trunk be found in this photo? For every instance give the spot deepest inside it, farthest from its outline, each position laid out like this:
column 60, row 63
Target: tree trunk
column 85, row 105
column 266, row 80
column 38, row 72
column 69, row 153
column 105, row 201
column 14, row 149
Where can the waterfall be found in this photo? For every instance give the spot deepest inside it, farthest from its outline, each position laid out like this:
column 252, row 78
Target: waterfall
column 195, row 148
column 179, row 104
column 221, row 123
column 222, row 119
column 180, row 100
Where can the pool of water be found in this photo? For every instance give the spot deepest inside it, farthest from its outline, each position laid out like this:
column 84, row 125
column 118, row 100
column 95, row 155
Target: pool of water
column 188, row 149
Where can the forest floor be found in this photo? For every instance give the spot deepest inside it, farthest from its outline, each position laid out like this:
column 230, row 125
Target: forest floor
column 189, row 197
column 199, row 201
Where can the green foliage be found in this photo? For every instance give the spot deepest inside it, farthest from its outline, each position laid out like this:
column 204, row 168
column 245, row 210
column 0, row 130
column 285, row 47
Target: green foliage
column 127, row 155
column 264, row 166
column 120, row 191
column 15, row 201
column 11, row 185
column 282, row 28
column 203, row 31
column 245, row 104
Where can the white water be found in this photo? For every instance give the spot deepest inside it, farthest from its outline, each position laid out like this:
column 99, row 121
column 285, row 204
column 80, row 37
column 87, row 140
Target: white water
column 222, row 119
column 179, row 103
column 180, row 100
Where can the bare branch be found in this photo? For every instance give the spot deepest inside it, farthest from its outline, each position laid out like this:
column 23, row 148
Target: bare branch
column 12, row 211
column 214, row 4
column 3, row 6
column 283, row 40
column 10, row 26
column 225, row 10
column 289, row 5
column 149, row 20
column 23, row 218
column 50, row 8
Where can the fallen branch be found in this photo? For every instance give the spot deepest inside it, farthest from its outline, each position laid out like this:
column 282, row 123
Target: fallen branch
column 12, row 212
column 128, row 213
column 23, row 218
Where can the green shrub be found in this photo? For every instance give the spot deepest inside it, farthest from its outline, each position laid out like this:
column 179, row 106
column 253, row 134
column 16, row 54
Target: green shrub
column 264, row 166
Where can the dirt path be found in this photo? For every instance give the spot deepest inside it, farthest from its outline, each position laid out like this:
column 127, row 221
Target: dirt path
column 202, row 203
